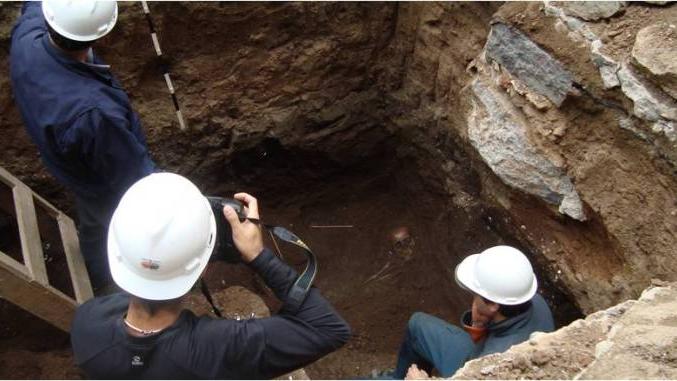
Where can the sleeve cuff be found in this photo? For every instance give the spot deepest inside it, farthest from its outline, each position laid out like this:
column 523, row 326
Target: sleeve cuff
column 262, row 261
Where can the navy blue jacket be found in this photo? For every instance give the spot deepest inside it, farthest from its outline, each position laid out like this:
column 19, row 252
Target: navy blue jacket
column 77, row 114
column 503, row 335
column 205, row 347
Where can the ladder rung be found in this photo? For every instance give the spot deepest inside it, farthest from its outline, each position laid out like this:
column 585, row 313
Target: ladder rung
column 31, row 244
column 76, row 264
column 41, row 300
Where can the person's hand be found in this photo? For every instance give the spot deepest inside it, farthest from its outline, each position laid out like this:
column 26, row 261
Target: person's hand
column 246, row 235
column 480, row 313
column 413, row 373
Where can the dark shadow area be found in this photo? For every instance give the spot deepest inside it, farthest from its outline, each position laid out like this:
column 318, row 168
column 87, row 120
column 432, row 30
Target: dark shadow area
column 346, row 214
column 52, row 248
column 10, row 241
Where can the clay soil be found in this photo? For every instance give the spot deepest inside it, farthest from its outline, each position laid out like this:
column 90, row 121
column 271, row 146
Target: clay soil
column 374, row 287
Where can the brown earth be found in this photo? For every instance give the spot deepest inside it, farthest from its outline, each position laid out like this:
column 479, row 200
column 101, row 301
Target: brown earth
column 355, row 114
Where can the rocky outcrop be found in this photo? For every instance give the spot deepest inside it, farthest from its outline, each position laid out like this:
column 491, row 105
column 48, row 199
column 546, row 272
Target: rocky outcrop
column 591, row 10
column 650, row 103
column 523, row 59
column 499, row 134
column 633, row 340
column 655, row 51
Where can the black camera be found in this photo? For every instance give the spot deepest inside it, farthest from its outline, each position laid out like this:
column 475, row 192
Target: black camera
column 224, row 249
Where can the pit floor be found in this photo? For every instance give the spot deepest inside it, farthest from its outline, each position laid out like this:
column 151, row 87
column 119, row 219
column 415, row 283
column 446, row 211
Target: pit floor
column 372, row 287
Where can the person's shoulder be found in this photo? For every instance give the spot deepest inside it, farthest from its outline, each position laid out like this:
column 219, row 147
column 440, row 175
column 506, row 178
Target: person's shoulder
column 226, row 333
column 539, row 304
column 95, row 325
column 101, row 310
column 542, row 314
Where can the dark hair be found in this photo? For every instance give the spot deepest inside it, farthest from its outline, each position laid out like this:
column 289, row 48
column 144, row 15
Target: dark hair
column 66, row 43
column 152, row 306
column 510, row 311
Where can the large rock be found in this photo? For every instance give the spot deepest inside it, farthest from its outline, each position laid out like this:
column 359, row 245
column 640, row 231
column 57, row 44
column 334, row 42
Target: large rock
column 523, row 59
column 633, row 340
column 649, row 103
column 643, row 344
column 655, row 51
column 499, row 133
column 590, row 10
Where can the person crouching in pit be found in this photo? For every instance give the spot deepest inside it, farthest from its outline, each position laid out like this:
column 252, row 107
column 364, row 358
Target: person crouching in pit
column 506, row 310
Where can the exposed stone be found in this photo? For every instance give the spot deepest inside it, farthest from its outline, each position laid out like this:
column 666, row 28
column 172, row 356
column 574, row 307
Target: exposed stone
column 655, row 51
column 644, row 345
column 608, row 68
column 633, row 340
column 525, row 60
column 498, row 133
column 590, row 10
column 649, row 103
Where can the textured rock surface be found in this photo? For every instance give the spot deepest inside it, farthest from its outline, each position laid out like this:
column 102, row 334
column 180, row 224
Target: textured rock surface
column 643, row 344
column 500, row 136
column 633, row 340
column 650, row 103
column 525, row 60
column 655, row 50
column 590, row 10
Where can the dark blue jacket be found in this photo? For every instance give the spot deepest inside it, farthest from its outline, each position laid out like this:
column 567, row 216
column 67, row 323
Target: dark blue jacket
column 77, row 114
column 503, row 335
column 205, row 347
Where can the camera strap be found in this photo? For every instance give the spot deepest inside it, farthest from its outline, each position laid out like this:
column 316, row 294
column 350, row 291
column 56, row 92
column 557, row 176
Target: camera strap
column 298, row 291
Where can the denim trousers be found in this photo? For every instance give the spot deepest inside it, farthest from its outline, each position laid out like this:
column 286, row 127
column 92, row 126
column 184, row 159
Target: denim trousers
column 432, row 343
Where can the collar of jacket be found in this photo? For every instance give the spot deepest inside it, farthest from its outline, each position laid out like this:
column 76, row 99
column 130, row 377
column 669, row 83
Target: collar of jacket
column 507, row 326
column 93, row 70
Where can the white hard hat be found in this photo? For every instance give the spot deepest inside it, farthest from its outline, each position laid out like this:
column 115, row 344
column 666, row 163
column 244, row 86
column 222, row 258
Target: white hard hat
column 80, row 20
column 160, row 237
column 501, row 274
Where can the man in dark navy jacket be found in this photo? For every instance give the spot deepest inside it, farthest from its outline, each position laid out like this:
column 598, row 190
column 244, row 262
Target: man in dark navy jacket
column 159, row 242
column 77, row 113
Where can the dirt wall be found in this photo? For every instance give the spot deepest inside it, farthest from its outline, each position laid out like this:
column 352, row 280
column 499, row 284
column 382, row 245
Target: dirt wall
column 574, row 166
column 581, row 173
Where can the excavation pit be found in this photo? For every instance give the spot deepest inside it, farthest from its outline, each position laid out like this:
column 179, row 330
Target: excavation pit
column 347, row 215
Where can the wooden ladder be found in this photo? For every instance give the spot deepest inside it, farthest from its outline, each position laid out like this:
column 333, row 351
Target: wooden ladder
column 27, row 285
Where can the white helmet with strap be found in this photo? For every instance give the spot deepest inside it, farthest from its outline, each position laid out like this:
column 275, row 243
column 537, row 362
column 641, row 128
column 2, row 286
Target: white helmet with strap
column 501, row 274
column 80, row 20
column 160, row 237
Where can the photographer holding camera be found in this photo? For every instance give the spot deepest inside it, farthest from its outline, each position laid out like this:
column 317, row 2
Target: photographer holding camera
column 160, row 240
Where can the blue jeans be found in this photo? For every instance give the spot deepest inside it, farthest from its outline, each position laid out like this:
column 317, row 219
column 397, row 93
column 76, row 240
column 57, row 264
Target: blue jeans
column 430, row 343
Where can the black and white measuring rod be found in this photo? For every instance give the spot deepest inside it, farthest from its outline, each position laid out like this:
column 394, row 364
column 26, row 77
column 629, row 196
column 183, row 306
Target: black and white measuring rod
column 165, row 67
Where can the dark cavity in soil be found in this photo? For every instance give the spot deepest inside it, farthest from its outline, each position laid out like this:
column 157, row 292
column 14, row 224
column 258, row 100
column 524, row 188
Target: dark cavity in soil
column 370, row 283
